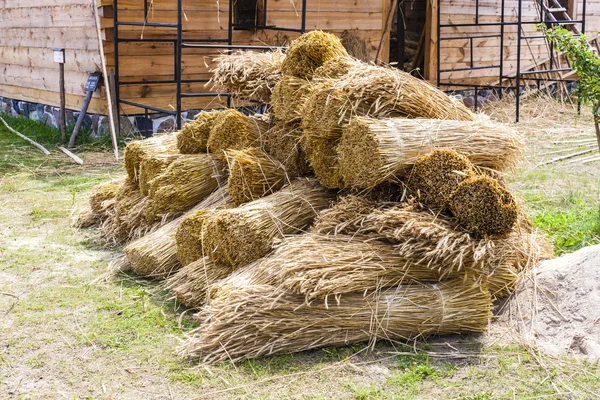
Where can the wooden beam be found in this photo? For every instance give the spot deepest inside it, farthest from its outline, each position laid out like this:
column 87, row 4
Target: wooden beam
column 431, row 41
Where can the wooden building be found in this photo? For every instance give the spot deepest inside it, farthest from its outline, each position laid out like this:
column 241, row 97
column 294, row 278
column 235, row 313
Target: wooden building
column 452, row 43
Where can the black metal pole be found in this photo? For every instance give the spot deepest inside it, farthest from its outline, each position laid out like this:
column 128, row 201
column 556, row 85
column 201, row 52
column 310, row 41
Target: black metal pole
column 303, row 28
column 518, row 76
column 116, row 39
column 501, row 69
column 179, row 63
column 583, row 11
column 438, row 46
column 230, row 39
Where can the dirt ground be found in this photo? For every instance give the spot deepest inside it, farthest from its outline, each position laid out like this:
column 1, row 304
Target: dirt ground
column 68, row 332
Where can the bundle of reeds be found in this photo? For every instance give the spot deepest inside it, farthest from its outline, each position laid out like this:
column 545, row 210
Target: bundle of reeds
column 193, row 136
column 135, row 150
column 322, row 156
column 288, row 98
column 103, row 198
column 187, row 181
column 191, row 283
column 253, row 174
column 335, row 68
column 238, row 236
column 258, row 320
column 309, row 52
column 155, row 255
column 114, row 228
column 249, row 75
column 483, row 206
column 435, row 176
column 151, row 166
column 319, row 266
column 321, row 112
column 377, row 150
column 233, row 130
column 85, row 218
column 283, row 142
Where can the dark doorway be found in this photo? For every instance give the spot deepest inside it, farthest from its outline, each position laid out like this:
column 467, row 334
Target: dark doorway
column 407, row 41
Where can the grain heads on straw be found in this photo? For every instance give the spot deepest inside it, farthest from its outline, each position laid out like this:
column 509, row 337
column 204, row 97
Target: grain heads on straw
column 193, row 136
column 373, row 151
column 238, row 236
column 253, row 174
column 233, row 130
column 259, row 320
column 249, row 75
column 283, row 142
column 288, row 98
column 187, row 181
column 309, row 52
column 436, row 175
column 483, row 206
column 135, row 150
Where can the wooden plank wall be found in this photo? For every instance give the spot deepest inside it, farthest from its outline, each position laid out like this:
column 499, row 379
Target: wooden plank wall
column 28, row 31
column 208, row 19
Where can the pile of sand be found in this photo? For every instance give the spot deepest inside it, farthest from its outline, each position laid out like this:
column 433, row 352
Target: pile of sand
column 557, row 307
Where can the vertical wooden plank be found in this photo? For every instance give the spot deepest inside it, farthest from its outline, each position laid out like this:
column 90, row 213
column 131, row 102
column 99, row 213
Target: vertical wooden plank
column 384, row 54
column 431, row 41
column 572, row 8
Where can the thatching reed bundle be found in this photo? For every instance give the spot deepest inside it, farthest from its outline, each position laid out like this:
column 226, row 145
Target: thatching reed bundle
column 253, row 174
column 288, row 98
column 233, row 130
column 102, row 201
column 309, row 52
column 483, row 206
column 151, row 166
column 238, row 236
column 155, row 255
column 283, row 142
column 373, row 151
column 322, row 156
column 135, row 151
column 249, row 75
column 336, row 68
column 114, row 228
column 318, row 266
column 355, row 45
column 258, row 320
column 193, row 136
column 191, row 283
column 436, row 176
column 187, row 181
column 85, row 218
column 321, row 112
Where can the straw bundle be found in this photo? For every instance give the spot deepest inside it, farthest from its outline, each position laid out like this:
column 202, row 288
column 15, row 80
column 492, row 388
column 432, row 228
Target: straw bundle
column 128, row 197
column 238, row 236
column 249, row 75
column 436, row 175
column 135, row 151
column 483, row 206
column 283, row 142
column 191, row 283
column 259, row 320
column 151, row 166
column 288, row 98
column 193, row 136
column 336, row 68
column 103, row 197
column 322, row 155
column 355, row 45
column 318, row 266
column 155, row 255
column 188, row 180
column 233, row 130
column 321, row 112
column 85, row 219
column 253, row 174
column 377, row 150
column 309, row 52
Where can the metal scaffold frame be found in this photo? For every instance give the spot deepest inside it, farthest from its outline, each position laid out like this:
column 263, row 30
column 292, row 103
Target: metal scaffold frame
column 521, row 78
column 179, row 44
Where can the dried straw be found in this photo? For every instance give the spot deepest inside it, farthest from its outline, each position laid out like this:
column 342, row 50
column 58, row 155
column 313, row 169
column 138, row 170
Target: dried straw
column 103, row 198
column 483, row 206
column 238, row 236
column 259, row 320
column 373, row 151
column 155, row 255
column 321, row 112
column 191, row 283
column 288, row 98
column 355, row 45
column 135, row 151
column 322, row 156
column 85, row 219
column 151, row 166
column 436, row 175
column 187, row 181
column 248, row 75
column 309, row 52
column 233, row 130
column 114, row 228
column 336, row 68
column 193, row 136
column 253, row 174
column 283, row 142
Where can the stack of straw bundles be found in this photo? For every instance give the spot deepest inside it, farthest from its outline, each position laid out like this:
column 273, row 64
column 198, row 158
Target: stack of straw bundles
column 253, row 174
column 249, row 75
column 283, row 143
column 192, row 282
column 309, row 52
column 187, row 181
column 151, row 166
column 116, row 227
column 134, row 152
column 233, row 130
column 258, row 320
column 155, row 255
column 377, row 150
column 288, row 98
column 238, row 236
column 318, row 266
column 193, row 136
column 103, row 198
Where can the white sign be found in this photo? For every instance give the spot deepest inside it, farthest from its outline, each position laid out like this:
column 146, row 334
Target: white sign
column 59, row 56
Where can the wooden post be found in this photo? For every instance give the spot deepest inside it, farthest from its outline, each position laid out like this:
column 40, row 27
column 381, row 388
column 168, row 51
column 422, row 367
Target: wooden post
column 59, row 57
column 431, row 41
